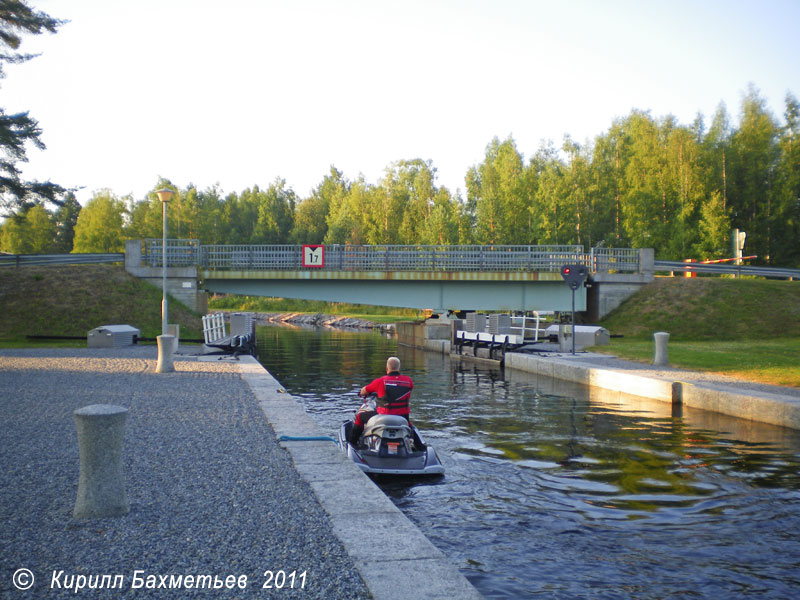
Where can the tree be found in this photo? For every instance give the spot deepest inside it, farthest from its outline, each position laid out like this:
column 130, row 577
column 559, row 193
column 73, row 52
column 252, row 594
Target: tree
column 546, row 211
column 348, row 216
column 275, row 214
column 15, row 235
column 412, row 182
column 42, row 228
column 442, row 225
column 609, row 157
column 716, row 145
column 786, row 220
column 19, row 129
column 579, row 190
column 714, row 229
column 66, row 218
column 31, row 232
column 210, row 227
column 100, row 225
column 502, row 202
column 754, row 155
column 311, row 216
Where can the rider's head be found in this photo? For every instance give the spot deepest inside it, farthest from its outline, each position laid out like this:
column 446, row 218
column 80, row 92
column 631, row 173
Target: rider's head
column 392, row 364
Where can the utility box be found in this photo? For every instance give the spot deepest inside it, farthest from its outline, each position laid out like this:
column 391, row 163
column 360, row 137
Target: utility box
column 585, row 335
column 499, row 324
column 591, row 335
column 112, row 336
column 475, row 322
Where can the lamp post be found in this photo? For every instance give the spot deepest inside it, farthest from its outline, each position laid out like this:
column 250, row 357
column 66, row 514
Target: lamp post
column 165, row 195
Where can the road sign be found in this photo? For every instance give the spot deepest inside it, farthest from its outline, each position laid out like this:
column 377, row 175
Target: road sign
column 313, row 255
column 574, row 275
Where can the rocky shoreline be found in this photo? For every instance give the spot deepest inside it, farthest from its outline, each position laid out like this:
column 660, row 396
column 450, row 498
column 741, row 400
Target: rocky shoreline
column 322, row 320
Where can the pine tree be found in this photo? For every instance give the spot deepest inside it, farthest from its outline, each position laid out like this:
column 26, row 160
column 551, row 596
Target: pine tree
column 20, row 129
column 66, row 218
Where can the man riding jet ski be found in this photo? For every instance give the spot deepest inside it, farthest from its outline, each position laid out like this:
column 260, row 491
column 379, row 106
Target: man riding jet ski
column 380, row 439
column 394, row 393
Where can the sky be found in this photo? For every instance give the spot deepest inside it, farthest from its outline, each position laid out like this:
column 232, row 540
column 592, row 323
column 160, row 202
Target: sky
column 241, row 92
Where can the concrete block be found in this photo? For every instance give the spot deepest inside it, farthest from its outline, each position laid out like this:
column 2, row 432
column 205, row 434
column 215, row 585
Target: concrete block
column 353, row 502
column 389, row 530
column 433, row 579
column 568, row 371
column 344, row 472
column 314, row 452
column 545, row 367
column 101, row 484
column 437, row 330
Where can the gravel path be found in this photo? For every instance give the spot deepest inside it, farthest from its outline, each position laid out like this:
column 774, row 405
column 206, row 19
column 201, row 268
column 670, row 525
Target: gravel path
column 211, row 492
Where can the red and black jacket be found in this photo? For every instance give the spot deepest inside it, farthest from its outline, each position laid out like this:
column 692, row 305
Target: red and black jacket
column 394, row 393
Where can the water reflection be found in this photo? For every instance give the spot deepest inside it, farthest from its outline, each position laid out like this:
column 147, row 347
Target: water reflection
column 556, row 489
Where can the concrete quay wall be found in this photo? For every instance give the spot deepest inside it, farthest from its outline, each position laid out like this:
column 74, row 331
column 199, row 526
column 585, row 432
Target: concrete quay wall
column 414, row 568
column 765, row 406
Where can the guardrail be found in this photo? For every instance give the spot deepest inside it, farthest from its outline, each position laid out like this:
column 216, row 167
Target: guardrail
column 51, row 260
column 726, row 269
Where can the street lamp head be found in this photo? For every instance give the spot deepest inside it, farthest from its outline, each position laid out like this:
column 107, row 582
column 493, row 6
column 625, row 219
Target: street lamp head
column 165, row 194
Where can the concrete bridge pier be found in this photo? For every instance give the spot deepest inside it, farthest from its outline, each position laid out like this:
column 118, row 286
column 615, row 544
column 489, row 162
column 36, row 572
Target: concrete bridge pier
column 608, row 290
column 181, row 281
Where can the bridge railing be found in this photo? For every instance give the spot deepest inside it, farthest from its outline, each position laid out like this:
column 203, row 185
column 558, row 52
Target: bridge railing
column 339, row 257
column 614, row 260
column 396, row 258
column 448, row 258
column 180, row 253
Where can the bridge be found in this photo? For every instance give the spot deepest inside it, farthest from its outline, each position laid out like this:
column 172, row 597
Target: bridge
column 508, row 278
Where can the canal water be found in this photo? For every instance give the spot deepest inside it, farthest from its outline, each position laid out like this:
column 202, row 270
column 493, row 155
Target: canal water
column 556, row 491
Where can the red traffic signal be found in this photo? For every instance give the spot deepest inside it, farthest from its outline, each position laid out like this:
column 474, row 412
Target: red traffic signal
column 574, row 275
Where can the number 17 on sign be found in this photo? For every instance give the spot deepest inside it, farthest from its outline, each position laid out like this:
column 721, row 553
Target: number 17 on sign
column 313, row 255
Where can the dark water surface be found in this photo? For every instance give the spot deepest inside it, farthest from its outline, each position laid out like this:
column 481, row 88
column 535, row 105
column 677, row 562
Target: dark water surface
column 555, row 491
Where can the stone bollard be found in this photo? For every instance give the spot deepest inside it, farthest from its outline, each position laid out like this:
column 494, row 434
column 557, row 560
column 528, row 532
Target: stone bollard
column 101, row 485
column 661, row 358
column 165, row 345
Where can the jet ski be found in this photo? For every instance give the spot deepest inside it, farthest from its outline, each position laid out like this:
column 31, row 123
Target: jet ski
column 390, row 446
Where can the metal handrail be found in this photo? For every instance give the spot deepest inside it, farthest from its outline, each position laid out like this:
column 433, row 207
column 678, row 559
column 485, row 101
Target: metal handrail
column 180, row 253
column 397, row 258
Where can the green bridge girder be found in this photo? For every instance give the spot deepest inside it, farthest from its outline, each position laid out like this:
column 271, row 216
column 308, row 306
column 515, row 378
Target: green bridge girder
column 440, row 291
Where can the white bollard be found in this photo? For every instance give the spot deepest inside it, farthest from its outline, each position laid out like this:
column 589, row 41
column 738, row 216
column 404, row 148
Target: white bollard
column 661, row 357
column 101, row 485
column 165, row 346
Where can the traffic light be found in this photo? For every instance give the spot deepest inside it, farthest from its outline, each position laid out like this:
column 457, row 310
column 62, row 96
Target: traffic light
column 574, row 275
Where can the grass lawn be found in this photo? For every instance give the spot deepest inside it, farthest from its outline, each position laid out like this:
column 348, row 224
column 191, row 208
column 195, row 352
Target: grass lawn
column 775, row 361
column 72, row 300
